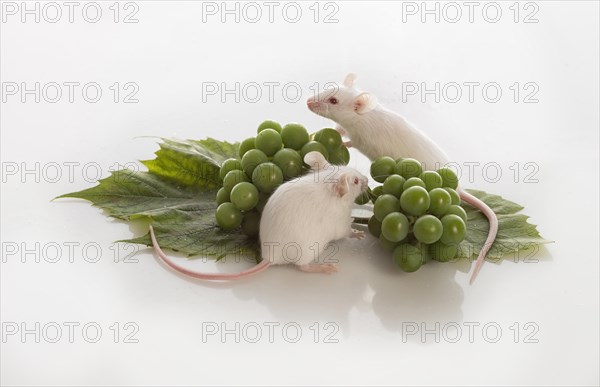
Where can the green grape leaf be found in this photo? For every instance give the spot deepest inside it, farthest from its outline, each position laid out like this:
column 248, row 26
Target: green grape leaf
column 177, row 196
column 194, row 231
column 191, row 163
column 514, row 232
column 127, row 193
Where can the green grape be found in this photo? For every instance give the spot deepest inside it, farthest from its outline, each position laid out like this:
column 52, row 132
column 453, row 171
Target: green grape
column 455, row 229
column 252, row 159
column 415, row 201
column 289, row 161
column 408, row 168
column 339, row 156
column 232, row 178
column 453, row 195
column 427, row 229
column 413, row 182
column 376, row 192
column 426, row 253
column 385, row 204
column 443, row 253
column 269, row 124
column 294, row 136
column 449, row 178
column 246, row 145
column 363, row 198
column 229, row 165
column 330, row 138
column 269, row 141
column 408, row 257
column 263, row 198
column 382, row 167
column 395, row 227
column 266, row 177
column 228, row 217
column 457, row 210
column 314, row 146
column 374, row 226
column 244, row 196
column 394, row 185
column 251, row 223
column 440, row 202
column 431, row 179
column 387, row 245
column 222, row 196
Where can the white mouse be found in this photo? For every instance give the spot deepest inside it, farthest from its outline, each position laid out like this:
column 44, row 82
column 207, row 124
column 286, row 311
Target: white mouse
column 299, row 220
column 376, row 131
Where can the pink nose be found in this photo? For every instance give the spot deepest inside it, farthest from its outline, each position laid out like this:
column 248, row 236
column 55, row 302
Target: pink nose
column 311, row 104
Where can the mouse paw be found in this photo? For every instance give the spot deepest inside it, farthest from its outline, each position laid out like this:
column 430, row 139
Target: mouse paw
column 348, row 144
column 360, row 235
column 340, row 130
column 326, row 268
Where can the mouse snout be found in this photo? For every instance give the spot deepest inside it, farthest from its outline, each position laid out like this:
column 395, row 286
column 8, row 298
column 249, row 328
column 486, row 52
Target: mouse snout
column 364, row 184
column 312, row 104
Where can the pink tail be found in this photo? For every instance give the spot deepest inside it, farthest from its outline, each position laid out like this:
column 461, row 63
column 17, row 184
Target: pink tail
column 205, row 276
column 493, row 219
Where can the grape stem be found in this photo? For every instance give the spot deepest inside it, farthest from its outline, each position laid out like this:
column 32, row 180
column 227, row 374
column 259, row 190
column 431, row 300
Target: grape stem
column 360, row 221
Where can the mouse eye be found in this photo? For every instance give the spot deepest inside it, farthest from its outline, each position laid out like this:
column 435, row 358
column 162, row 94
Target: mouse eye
column 333, row 101
column 356, row 180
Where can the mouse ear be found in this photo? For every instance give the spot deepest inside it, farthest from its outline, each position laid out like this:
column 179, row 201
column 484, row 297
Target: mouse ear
column 315, row 160
column 341, row 186
column 364, row 103
column 349, row 80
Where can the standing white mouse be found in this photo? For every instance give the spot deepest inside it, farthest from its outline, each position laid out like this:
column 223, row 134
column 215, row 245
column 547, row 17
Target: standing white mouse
column 376, row 131
column 299, row 220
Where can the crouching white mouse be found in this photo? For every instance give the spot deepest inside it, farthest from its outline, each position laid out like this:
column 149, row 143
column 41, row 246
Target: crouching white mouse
column 376, row 131
column 299, row 220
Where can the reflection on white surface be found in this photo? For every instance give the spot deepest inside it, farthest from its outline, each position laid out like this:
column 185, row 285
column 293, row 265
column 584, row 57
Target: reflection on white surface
column 367, row 278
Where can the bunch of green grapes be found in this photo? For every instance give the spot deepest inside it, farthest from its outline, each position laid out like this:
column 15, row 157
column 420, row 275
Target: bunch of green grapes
column 417, row 214
column 265, row 161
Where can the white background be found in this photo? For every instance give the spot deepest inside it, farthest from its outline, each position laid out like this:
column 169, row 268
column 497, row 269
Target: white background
column 169, row 54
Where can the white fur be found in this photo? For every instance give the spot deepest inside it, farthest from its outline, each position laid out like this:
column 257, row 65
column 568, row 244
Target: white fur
column 303, row 215
column 378, row 131
column 395, row 137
